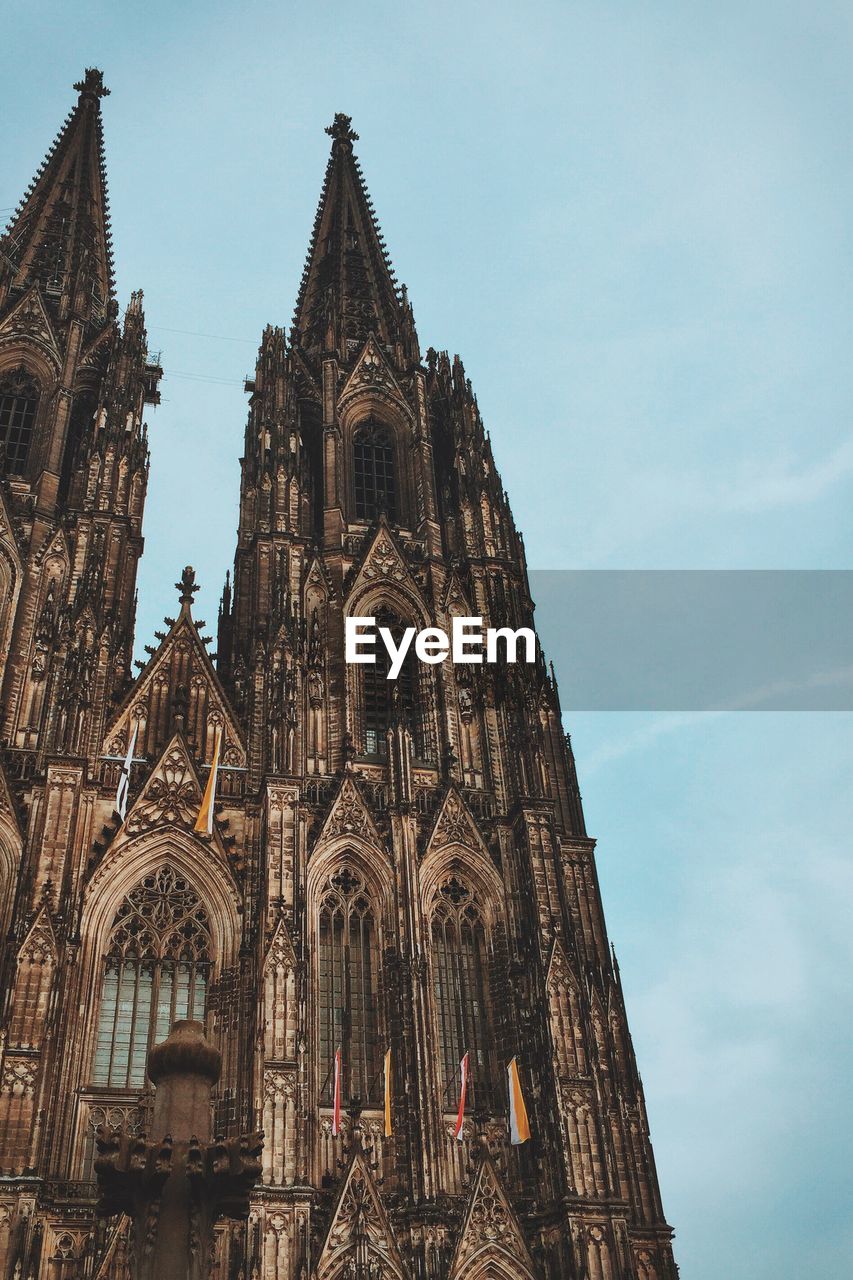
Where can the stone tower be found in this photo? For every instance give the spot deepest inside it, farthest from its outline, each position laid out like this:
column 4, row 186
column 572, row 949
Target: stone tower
column 393, row 864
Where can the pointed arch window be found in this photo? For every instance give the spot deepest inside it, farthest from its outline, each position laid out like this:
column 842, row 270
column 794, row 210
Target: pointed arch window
column 157, row 970
column 383, row 698
column 19, row 398
column 459, row 975
column 349, row 987
column 82, row 415
column 374, row 481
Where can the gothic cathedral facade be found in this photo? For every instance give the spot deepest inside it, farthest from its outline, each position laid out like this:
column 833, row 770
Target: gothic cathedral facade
column 409, row 872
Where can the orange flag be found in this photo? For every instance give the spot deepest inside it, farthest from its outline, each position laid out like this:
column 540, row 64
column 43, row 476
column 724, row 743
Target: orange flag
column 204, row 821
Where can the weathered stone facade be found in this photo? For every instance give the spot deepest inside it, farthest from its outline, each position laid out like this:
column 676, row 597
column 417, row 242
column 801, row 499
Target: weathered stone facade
column 413, row 873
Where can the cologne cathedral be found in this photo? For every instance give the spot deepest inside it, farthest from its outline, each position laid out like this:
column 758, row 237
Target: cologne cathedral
column 406, row 871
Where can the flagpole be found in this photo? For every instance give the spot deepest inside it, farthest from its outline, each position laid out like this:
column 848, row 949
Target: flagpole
column 123, row 788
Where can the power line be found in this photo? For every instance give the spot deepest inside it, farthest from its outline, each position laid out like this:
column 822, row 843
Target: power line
column 193, row 333
column 200, row 377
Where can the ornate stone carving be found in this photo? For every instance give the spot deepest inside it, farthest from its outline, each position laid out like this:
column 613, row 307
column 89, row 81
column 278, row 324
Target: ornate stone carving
column 454, row 825
column 19, row 1076
column 280, row 952
column 39, row 946
column 30, row 320
column 171, row 794
column 360, row 1229
column 384, row 561
column 490, row 1223
column 279, row 1084
column 348, row 816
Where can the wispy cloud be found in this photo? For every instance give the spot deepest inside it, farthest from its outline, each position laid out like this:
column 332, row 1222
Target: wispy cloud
column 784, row 482
column 736, row 1037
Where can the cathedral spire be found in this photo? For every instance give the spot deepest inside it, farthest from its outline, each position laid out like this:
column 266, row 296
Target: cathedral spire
column 348, row 287
column 59, row 235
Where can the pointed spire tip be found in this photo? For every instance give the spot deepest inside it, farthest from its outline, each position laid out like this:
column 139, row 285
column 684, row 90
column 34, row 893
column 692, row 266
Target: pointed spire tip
column 341, row 129
column 187, row 587
column 92, row 85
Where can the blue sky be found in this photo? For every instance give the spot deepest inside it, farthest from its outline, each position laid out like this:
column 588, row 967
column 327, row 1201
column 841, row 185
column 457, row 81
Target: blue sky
column 633, row 221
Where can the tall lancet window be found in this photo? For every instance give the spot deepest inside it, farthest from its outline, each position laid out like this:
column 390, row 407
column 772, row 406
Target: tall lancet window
column 382, row 696
column 459, row 976
column 349, row 988
column 373, row 471
column 157, row 970
column 19, row 397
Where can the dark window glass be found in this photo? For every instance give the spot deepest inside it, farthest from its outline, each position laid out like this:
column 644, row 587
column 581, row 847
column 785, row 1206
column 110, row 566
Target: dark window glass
column 373, row 471
column 157, row 971
column 82, row 414
column 348, row 994
column 459, row 989
column 380, row 692
column 19, row 397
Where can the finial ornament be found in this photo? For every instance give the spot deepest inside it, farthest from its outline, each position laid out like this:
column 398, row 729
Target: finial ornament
column 92, row 85
column 187, row 585
column 341, row 129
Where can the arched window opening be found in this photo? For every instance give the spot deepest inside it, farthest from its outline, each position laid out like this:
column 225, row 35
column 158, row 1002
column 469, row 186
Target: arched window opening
column 82, row 414
column 459, row 974
column 157, row 971
column 348, row 988
column 19, row 397
column 373, row 471
column 384, row 698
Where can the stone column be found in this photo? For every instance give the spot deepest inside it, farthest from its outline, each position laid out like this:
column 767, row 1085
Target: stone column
column 177, row 1183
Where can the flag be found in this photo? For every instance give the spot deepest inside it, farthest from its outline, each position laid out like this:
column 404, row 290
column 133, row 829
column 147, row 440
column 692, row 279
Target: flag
column 336, row 1113
column 519, row 1127
column 463, row 1089
column 124, row 777
column 204, row 821
column 388, row 1128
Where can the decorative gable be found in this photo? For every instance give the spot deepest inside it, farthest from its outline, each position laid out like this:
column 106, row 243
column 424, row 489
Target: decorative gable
column 317, row 576
column 280, row 952
column 179, row 667
column 455, row 601
column 491, row 1232
column 360, row 1226
column 171, row 796
column 349, row 816
column 454, row 824
column 373, row 372
column 383, row 561
column 29, row 319
column 39, row 946
column 559, row 970
column 54, row 548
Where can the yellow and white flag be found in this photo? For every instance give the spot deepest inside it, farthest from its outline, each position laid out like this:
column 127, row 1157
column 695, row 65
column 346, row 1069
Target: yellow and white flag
column 388, row 1127
column 204, row 821
column 519, row 1126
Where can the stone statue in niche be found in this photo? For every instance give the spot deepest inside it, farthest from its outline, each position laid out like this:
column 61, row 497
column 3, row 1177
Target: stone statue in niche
column 39, row 665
